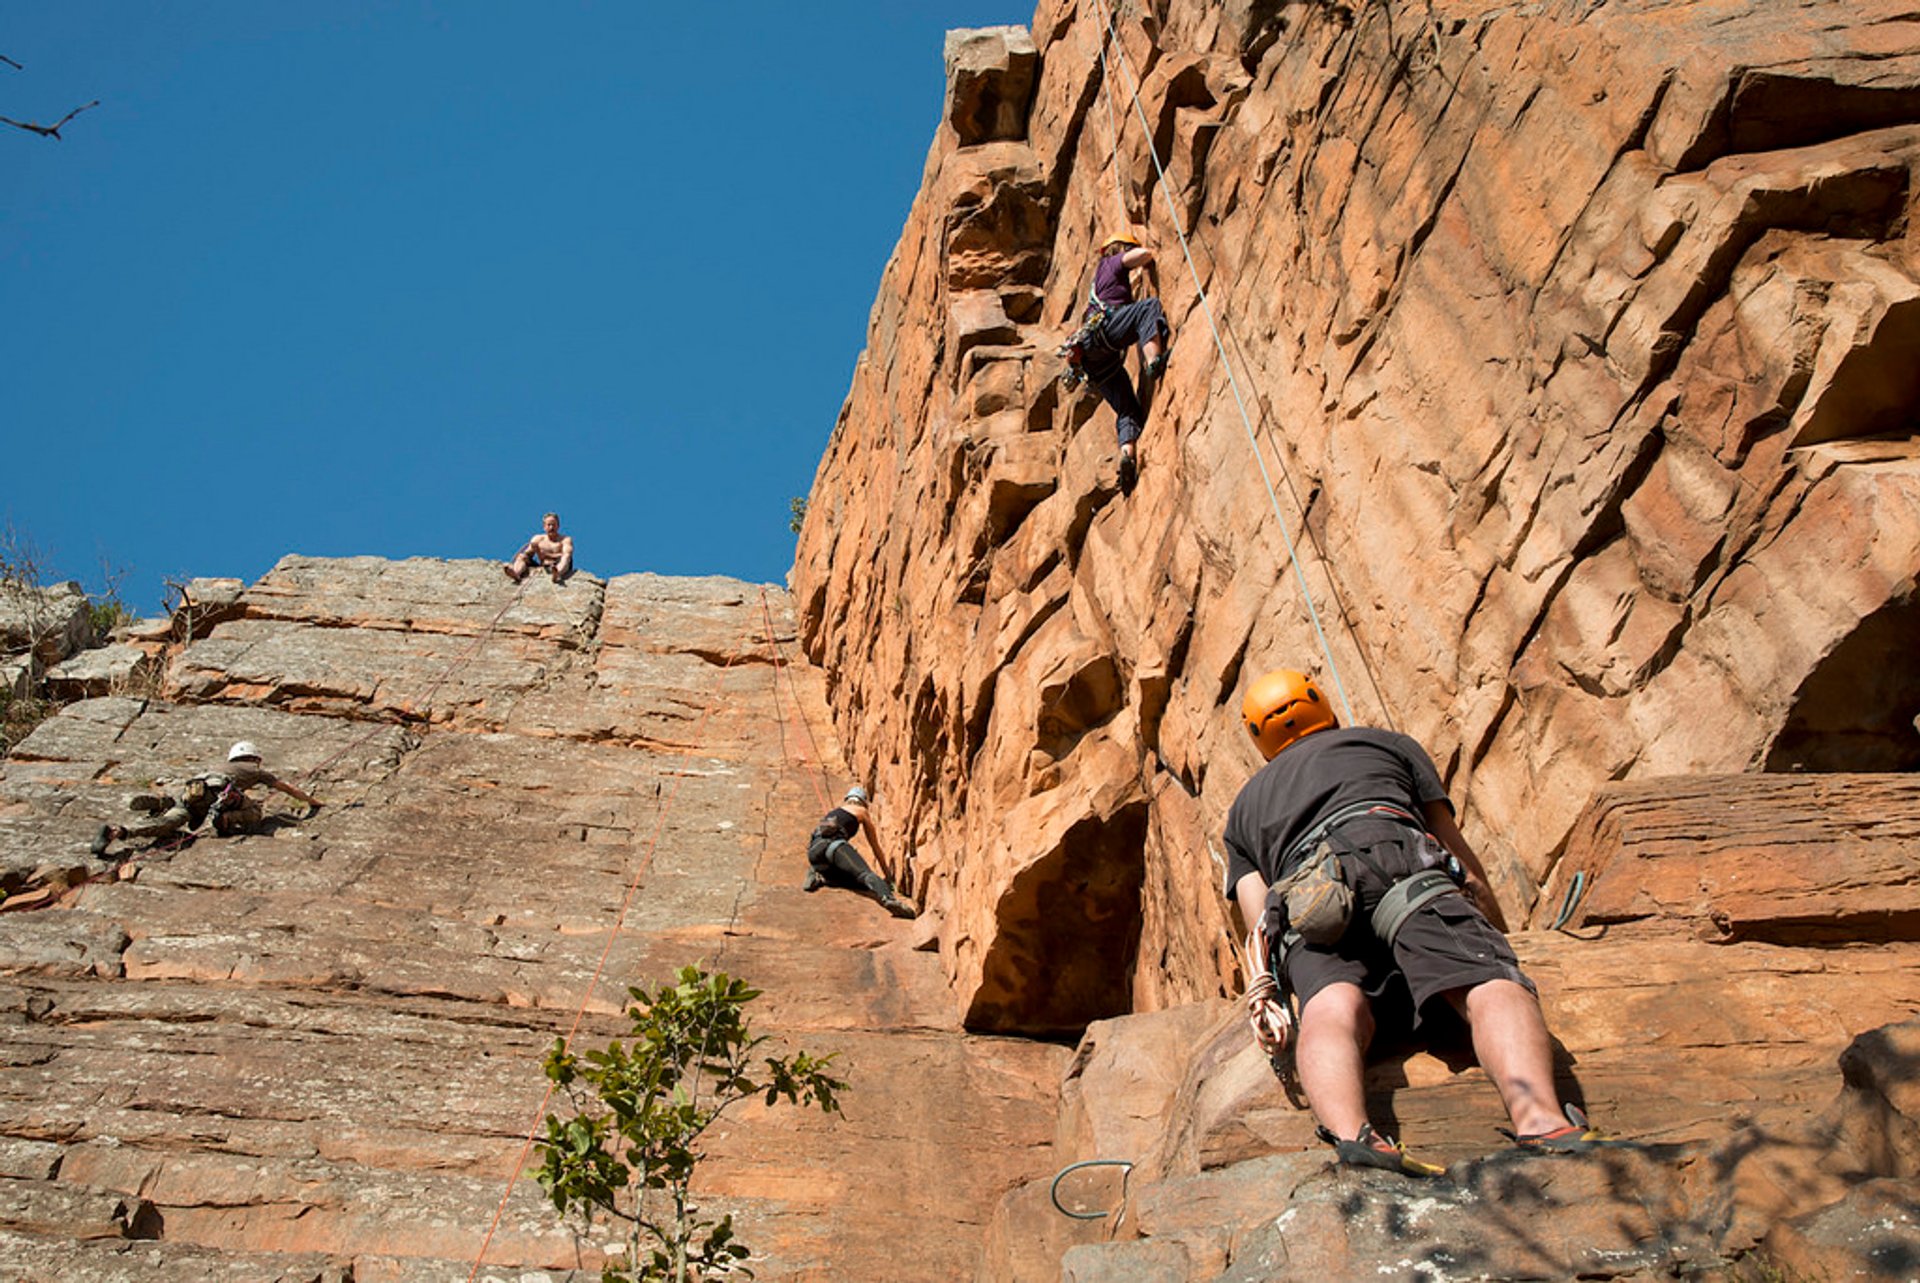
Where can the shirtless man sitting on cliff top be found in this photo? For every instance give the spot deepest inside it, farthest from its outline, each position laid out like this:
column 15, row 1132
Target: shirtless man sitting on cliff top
column 549, row 549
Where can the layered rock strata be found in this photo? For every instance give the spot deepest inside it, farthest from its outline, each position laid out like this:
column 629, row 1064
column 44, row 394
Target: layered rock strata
column 1556, row 364
column 1732, row 992
column 1578, row 341
column 315, row 1052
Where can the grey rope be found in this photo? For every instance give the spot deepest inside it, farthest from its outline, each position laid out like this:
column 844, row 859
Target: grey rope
column 1053, row 1190
column 1113, row 126
column 1575, row 893
column 1233, row 383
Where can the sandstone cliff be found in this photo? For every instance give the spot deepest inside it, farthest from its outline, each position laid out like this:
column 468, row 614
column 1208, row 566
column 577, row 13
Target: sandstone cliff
column 1579, row 342
column 315, row 1053
column 1585, row 334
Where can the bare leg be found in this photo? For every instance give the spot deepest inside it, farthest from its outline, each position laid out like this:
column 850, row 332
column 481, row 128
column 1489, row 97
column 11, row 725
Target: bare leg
column 1510, row 1037
column 1336, row 1027
column 518, row 570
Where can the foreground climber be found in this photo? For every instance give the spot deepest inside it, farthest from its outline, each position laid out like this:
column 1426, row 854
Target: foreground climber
column 1115, row 321
column 1359, row 815
column 216, row 798
column 835, row 863
column 550, row 550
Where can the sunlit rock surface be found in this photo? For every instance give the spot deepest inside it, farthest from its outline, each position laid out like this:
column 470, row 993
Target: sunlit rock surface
column 318, row 1049
column 1576, row 345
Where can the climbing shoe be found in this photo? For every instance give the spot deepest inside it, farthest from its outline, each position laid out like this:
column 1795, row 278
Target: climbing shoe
column 898, row 907
column 1129, row 474
column 102, row 840
column 1156, row 365
column 1371, row 1149
column 1577, row 1137
column 814, row 881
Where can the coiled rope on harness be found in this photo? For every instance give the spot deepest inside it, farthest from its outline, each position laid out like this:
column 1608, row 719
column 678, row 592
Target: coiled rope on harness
column 1213, row 326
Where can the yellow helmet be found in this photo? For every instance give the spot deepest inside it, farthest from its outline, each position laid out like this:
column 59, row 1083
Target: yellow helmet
column 1129, row 236
column 1281, row 706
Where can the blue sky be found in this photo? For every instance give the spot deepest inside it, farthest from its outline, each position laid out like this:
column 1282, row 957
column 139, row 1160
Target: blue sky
column 340, row 278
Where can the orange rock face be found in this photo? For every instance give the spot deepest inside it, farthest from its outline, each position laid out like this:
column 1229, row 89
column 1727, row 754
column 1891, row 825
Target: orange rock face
column 1579, row 346
column 1555, row 364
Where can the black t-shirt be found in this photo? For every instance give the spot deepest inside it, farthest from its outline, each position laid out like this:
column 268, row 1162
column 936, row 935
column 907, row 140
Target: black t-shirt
column 837, row 825
column 1313, row 779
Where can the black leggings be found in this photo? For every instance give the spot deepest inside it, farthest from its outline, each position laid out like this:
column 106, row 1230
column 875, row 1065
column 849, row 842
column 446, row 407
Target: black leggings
column 836, row 861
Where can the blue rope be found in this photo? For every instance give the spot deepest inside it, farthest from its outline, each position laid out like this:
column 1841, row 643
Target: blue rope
column 1572, row 902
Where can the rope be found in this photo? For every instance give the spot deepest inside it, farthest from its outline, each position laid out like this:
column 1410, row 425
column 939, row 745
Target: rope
column 1575, row 893
column 820, row 787
column 633, row 886
column 181, row 842
column 426, row 700
column 1113, row 127
column 1233, row 382
column 1053, row 1190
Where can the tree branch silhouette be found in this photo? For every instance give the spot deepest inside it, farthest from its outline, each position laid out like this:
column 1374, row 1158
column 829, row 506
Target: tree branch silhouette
column 47, row 131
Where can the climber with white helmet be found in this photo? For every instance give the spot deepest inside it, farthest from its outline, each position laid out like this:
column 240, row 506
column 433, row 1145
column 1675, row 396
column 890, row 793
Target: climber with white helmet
column 216, row 798
column 1114, row 321
column 1366, row 903
column 835, row 863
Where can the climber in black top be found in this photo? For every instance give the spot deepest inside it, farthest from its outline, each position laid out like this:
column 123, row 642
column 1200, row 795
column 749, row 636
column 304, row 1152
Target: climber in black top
column 835, row 862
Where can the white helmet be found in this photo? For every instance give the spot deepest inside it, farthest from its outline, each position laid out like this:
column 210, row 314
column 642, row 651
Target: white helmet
column 856, row 794
column 244, row 748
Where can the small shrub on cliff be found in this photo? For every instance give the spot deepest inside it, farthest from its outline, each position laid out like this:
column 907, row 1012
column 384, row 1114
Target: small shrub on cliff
column 797, row 508
column 630, row 1147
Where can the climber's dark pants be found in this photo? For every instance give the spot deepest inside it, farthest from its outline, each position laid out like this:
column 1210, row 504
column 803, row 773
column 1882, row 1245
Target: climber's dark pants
column 836, row 861
column 1106, row 362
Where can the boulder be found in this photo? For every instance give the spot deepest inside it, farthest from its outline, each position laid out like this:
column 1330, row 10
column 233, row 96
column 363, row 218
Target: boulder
column 98, row 671
column 990, row 74
column 51, row 622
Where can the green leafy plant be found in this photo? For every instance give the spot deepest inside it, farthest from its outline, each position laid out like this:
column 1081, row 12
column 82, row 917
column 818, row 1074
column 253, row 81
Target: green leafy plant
column 629, row 1148
column 797, row 506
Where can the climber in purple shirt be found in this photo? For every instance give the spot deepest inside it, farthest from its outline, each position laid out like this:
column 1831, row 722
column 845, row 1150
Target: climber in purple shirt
column 1124, row 321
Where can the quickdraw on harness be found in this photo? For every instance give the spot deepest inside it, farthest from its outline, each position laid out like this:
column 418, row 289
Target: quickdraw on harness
column 1074, row 350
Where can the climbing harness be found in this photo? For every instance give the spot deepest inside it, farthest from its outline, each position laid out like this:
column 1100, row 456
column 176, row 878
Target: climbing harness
column 1313, row 901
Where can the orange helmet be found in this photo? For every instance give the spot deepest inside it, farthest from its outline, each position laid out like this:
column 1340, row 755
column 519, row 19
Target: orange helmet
column 1126, row 236
column 1281, row 706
